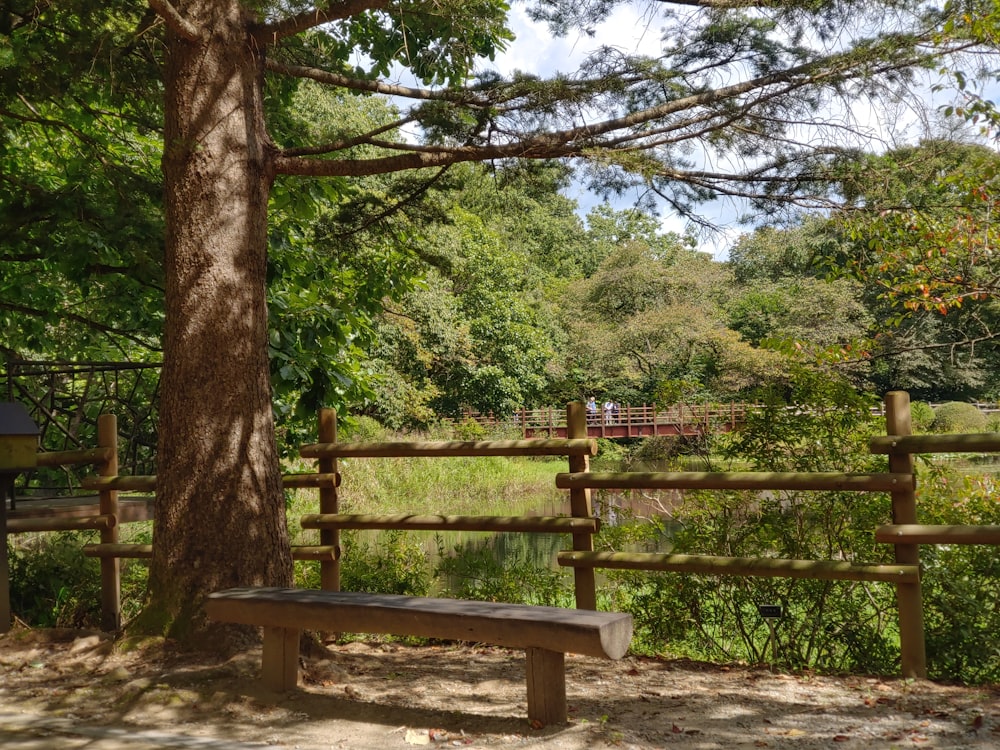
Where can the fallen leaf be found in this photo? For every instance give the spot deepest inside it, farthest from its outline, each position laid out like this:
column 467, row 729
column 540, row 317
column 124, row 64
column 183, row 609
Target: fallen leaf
column 676, row 729
column 841, row 738
column 417, row 737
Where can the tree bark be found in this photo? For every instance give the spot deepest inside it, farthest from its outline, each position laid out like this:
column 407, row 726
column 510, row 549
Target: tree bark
column 220, row 519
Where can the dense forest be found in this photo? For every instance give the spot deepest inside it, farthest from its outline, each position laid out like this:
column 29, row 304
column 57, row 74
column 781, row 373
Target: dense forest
column 490, row 290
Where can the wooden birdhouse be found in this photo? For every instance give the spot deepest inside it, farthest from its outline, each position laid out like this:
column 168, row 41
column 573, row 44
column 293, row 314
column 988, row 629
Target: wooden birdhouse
column 18, row 439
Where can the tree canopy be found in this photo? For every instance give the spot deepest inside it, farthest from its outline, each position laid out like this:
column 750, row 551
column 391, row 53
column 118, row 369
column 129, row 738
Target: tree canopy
column 761, row 87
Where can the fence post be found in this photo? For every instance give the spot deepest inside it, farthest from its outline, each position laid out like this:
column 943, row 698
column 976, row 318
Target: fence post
column 580, row 506
column 329, row 570
column 111, row 605
column 904, row 510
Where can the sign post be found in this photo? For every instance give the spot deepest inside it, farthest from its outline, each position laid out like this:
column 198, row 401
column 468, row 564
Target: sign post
column 770, row 614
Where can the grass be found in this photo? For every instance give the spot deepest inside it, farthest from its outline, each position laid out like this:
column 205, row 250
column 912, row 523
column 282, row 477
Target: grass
column 489, row 486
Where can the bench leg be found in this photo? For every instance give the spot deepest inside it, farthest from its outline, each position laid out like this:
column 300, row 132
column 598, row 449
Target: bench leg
column 546, row 686
column 280, row 661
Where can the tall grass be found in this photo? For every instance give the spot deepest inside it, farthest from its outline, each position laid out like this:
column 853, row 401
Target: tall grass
column 489, row 485
column 467, row 564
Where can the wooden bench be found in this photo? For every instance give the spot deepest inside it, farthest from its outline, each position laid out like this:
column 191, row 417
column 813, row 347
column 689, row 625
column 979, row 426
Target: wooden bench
column 546, row 633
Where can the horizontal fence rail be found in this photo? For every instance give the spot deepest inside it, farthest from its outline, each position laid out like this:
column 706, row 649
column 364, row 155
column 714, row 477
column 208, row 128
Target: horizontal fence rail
column 430, row 449
column 952, row 443
column 919, row 534
column 742, row 566
column 529, row 524
column 765, row 480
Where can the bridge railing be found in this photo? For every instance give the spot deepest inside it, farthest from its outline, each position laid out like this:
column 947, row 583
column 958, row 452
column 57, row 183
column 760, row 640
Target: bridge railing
column 550, row 421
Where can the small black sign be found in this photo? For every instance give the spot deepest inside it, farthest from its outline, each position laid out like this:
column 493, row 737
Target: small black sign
column 769, row 611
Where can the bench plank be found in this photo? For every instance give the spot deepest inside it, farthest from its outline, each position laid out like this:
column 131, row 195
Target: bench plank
column 601, row 634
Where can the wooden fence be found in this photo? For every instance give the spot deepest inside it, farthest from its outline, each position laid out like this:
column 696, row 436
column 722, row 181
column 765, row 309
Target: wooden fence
column 899, row 481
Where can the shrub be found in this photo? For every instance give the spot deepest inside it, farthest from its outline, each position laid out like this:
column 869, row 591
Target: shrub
column 473, row 571
column 959, row 582
column 396, row 564
column 363, row 430
column 828, row 625
column 921, row 416
column 470, row 429
column 52, row 584
column 958, row 416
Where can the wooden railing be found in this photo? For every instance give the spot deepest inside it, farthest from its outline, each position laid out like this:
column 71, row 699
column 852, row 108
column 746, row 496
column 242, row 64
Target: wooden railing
column 580, row 524
column 104, row 459
column 901, row 530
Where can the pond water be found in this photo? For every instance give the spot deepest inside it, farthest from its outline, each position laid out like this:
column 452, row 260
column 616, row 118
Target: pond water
column 539, row 551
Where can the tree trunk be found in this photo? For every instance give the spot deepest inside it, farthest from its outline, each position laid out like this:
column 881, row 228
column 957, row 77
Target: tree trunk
column 220, row 517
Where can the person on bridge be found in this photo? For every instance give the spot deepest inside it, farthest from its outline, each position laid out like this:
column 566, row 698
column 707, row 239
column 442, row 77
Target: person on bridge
column 591, row 410
column 609, row 411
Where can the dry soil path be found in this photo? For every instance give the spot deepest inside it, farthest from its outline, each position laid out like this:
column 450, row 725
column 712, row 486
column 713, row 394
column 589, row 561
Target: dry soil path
column 67, row 689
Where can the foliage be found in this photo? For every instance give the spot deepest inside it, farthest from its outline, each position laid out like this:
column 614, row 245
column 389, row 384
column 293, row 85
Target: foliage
column 931, row 250
column 81, row 266
column 649, row 327
column 827, row 625
column 475, row 571
column 961, row 595
column 956, row 416
column 396, row 565
column 53, row 584
column 919, row 237
column 921, row 416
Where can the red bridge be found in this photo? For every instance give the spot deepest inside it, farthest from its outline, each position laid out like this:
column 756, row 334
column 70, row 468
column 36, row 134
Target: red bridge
column 627, row 421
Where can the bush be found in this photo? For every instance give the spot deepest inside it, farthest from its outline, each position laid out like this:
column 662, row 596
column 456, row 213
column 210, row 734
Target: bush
column 473, row 571
column 921, row 416
column 363, row 430
column 470, row 429
column 396, row 564
column 959, row 582
column 828, row 625
column 52, row 584
column 958, row 416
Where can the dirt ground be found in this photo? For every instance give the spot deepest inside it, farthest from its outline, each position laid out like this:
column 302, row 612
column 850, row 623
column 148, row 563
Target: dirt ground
column 72, row 689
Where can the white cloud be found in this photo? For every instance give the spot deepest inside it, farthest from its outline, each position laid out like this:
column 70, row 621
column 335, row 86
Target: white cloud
column 536, row 50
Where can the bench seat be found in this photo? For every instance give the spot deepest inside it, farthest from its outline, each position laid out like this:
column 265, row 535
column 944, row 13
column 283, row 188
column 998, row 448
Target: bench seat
column 546, row 633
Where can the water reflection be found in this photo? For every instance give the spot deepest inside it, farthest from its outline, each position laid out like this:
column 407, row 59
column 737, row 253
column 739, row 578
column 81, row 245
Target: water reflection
column 512, row 551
